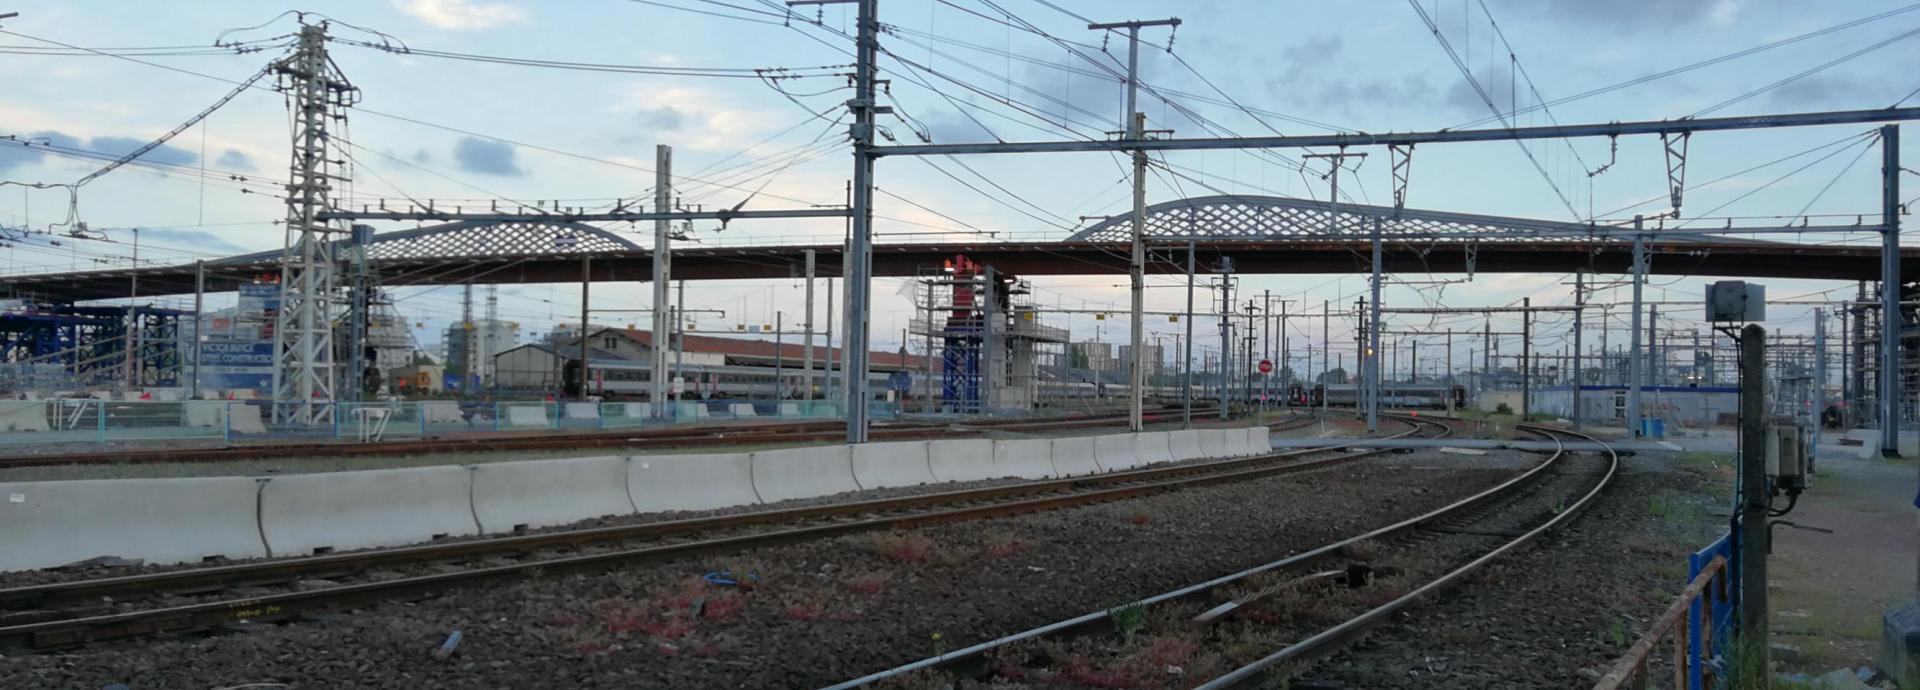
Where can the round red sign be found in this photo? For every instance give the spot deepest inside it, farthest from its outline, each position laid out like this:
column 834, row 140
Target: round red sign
column 1266, row 366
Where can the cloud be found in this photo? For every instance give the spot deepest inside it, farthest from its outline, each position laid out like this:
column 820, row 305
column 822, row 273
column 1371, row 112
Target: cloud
column 1315, row 74
column 461, row 15
column 1635, row 13
column 699, row 118
column 666, row 118
column 235, row 159
column 26, row 150
column 1822, row 89
column 949, row 127
column 181, row 237
column 29, row 148
column 487, row 157
column 1498, row 84
column 118, row 146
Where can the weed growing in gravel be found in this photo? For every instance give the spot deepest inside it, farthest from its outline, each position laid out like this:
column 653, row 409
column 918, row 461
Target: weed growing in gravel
column 723, row 606
column 870, row 583
column 1672, row 508
column 1128, row 620
column 1361, row 551
column 1616, row 634
column 902, row 547
column 1002, row 544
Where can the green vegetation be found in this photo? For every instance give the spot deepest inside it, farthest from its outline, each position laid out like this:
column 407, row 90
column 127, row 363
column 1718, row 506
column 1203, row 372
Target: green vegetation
column 1503, row 409
column 1128, row 620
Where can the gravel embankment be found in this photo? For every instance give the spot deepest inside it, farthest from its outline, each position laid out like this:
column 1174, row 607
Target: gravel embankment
column 817, row 612
column 1556, row 615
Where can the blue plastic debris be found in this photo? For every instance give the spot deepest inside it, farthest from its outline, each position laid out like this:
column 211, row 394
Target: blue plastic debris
column 447, row 647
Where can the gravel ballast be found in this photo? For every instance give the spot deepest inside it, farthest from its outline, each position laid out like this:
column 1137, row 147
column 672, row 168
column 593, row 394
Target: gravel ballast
column 813, row 613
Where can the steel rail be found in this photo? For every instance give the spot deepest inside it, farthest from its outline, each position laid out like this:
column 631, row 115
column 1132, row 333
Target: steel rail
column 1332, row 639
column 284, row 569
column 1463, row 506
column 633, row 438
column 71, row 631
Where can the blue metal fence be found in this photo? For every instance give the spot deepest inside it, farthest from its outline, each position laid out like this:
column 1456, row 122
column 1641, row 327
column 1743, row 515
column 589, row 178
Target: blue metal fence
column 1725, row 600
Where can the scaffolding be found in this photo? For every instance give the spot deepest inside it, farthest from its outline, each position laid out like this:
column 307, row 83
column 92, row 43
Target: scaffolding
column 988, row 337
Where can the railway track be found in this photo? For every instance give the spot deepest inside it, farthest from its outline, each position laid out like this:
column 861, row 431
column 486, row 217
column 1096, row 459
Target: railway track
column 82, row 611
column 1399, row 566
column 797, row 432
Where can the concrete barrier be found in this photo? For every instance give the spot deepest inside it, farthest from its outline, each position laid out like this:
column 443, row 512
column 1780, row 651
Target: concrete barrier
column 202, row 414
column 245, row 419
column 897, row 463
column 789, row 409
column 808, row 472
column 1073, row 456
column 962, row 460
column 1185, row 445
column 539, row 493
column 1115, row 452
column 1024, row 458
column 1215, row 444
column 302, row 513
column 582, row 410
column 174, row 520
column 1152, row 447
column 440, row 411
column 739, row 410
column 1259, row 437
column 23, row 415
column 525, row 415
column 690, row 482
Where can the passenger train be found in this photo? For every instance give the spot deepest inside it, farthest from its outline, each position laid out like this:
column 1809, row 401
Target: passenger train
column 632, row 381
column 1401, row 395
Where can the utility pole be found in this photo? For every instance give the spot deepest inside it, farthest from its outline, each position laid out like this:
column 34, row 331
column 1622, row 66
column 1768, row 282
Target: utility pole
column 928, row 388
column 1819, row 407
column 1134, row 129
column 1186, row 410
column 1281, row 367
column 807, row 358
column 466, row 339
column 303, row 372
column 199, row 310
column 857, row 262
column 1755, row 499
column 586, row 282
column 1653, row 346
column 1526, row 357
column 1633, row 330
column 662, row 279
column 1579, row 304
column 1373, row 346
column 827, row 375
column 1326, row 352
column 1226, row 339
column 1891, row 332
column 1266, row 347
column 130, row 343
column 680, row 339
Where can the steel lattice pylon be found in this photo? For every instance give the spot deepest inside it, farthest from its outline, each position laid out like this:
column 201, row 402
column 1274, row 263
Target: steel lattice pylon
column 303, row 376
column 1241, row 217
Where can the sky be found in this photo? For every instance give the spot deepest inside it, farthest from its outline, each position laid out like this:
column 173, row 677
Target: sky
column 957, row 71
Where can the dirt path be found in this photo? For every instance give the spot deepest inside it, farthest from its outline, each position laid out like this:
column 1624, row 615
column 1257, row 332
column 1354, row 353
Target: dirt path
column 1829, row 590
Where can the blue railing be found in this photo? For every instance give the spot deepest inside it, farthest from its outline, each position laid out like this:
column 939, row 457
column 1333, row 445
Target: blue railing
column 1725, row 600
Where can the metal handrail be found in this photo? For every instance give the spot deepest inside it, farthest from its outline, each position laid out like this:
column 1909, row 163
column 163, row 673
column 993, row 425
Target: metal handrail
column 1632, row 667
